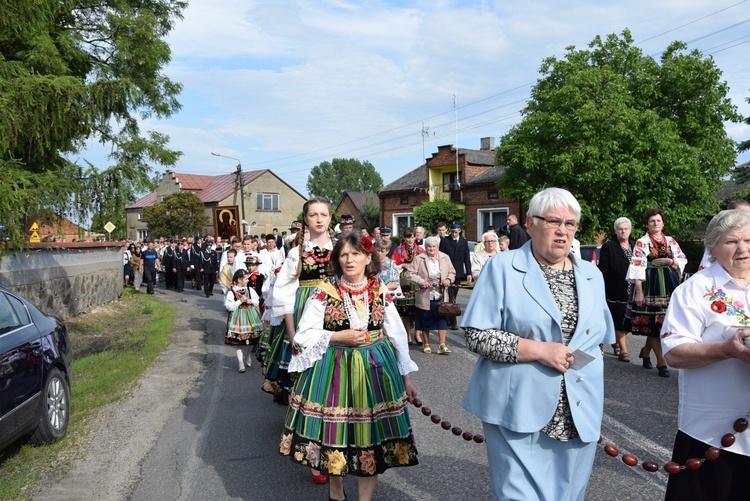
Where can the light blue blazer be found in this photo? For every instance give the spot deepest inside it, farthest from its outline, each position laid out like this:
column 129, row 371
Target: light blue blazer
column 512, row 295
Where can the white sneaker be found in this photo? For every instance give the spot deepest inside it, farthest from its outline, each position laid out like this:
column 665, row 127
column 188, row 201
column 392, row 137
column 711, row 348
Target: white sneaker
column 249, row 361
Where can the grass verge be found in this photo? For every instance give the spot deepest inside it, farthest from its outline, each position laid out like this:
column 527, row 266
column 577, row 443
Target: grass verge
column 112, row 346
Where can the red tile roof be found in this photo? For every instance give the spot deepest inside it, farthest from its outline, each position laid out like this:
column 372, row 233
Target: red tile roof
column 209, row 189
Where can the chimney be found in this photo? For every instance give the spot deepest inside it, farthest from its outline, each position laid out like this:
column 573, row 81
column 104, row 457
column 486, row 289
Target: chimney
column 487, row 144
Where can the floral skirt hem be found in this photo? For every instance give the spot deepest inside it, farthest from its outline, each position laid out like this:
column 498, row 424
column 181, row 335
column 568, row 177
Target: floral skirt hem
column 357, row 461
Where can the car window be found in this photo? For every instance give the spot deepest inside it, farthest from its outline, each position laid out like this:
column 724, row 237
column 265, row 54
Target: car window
column 12, row 314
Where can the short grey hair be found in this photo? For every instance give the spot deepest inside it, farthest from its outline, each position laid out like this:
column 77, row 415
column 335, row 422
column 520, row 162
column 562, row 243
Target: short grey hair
column 436, row 240
column 554, row 198
column 621, row 220
column 491, row 234
column 721, row 223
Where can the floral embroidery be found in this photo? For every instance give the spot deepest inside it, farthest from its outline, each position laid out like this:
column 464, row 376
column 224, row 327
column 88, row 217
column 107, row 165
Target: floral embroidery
column 721, row 304
column 286, row 444
column 401, row 451
column 312, row 454
column 335, row 314
column 298, row 456
column 367, row 462
column 336, row 462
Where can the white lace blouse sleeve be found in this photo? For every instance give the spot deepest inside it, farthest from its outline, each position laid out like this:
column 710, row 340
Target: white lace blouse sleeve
column 311, row 340
column 285, row 287
column 394, row 329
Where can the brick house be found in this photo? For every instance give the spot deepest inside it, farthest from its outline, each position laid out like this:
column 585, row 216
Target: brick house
column 467, row 177
column 269, row 202
column 50, row 227
column 353, row 203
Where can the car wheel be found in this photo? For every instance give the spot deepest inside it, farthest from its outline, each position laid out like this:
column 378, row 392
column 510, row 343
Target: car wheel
column 54, row 411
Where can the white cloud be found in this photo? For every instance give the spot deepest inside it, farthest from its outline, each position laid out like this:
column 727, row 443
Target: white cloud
column 291, row 83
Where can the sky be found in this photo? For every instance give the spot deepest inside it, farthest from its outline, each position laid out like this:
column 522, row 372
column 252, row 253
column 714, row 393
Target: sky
column 285, row 85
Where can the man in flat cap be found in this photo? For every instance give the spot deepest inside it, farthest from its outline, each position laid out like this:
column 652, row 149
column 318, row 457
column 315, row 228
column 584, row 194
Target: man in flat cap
column 457, row 248
column 385, row 234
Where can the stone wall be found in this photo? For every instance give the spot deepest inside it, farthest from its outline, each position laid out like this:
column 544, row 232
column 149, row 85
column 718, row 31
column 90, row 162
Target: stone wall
column 65, row 279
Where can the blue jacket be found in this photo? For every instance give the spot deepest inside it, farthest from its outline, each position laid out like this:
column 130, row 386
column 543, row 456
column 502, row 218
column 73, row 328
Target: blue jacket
column 512, row 295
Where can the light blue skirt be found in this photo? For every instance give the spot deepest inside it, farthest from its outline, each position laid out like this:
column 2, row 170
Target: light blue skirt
column 533, row 466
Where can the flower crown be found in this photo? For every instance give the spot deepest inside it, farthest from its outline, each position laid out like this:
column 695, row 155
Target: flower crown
column 367, row 244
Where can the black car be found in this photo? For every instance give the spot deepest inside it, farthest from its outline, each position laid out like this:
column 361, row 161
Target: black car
column 35, row 363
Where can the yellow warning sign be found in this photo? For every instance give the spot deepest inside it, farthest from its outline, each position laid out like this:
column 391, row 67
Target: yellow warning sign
column 34, row 227
column 34, row 237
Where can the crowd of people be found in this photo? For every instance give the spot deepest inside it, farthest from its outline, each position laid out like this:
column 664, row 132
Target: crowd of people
column 331, row 317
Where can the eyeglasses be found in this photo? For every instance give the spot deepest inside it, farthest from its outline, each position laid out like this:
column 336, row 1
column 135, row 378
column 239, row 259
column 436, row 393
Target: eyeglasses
column 554, row 222
column 487, row 242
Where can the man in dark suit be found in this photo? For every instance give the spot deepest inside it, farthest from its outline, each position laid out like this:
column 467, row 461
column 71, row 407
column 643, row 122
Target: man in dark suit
column 457, row 248
column 196, row 262
column 180, row 265
column 209, row 265
column 278, row 238
column 516, row 233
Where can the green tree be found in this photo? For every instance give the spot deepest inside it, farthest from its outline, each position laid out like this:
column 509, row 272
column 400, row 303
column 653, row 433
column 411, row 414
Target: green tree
column 73, row 73
column 331, row 180
column 624, row 134
column 429, row 214
column 177, row 214
column 370, row 213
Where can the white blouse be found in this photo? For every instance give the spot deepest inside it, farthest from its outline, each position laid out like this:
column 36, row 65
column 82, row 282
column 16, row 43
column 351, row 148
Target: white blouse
column 284, row 292
column 231, row 304
column 714, row 396
column 314, row 339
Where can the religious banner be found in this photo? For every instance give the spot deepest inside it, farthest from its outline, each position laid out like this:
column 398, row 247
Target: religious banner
column 226, row 222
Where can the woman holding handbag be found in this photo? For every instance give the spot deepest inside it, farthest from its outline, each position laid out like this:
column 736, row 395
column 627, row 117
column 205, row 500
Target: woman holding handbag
column 432, row 272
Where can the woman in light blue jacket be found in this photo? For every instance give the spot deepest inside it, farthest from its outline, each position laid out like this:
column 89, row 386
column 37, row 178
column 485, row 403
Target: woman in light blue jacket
column 537, row 316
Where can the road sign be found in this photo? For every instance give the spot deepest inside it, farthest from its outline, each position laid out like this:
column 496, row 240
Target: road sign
column 109, row 227
column 34, row 238
column 34, row 227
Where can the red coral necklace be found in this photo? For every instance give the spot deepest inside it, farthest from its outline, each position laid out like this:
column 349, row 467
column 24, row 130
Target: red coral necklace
column 356, row 289
column 323, row 259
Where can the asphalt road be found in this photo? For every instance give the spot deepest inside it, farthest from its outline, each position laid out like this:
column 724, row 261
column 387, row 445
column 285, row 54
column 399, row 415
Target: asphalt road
column 222, row 442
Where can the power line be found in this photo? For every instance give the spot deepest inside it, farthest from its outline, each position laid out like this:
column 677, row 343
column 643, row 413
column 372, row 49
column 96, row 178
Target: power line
column 305, row 158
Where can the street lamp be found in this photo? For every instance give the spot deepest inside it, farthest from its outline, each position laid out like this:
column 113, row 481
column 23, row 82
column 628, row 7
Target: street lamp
column 239, row 182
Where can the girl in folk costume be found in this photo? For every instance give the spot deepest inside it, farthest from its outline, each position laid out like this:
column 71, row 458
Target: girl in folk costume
column 348, row 412
column 304, row 268
column 244, row 320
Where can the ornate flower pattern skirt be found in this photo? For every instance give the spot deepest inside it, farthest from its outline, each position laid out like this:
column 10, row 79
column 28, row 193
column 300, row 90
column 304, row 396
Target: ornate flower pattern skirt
column 646, row 320
column 244, row 325
column 348, row 413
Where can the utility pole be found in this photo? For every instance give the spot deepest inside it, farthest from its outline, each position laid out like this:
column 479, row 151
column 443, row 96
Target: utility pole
column 238, row 182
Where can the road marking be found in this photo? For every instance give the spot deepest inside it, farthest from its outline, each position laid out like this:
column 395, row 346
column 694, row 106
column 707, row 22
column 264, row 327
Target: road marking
column 663, row 455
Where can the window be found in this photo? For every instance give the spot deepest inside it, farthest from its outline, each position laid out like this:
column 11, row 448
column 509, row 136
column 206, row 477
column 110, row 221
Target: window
column 400, row 222
column 496, row 217
column 268, row 201
column 404, row 200
column 12, row 314
column 492, row 195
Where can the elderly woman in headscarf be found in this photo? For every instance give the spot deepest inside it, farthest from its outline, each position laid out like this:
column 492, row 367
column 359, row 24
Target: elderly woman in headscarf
column 536, row 317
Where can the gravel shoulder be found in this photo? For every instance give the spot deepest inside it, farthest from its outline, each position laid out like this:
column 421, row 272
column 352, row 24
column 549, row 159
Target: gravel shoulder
column 110, row 463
